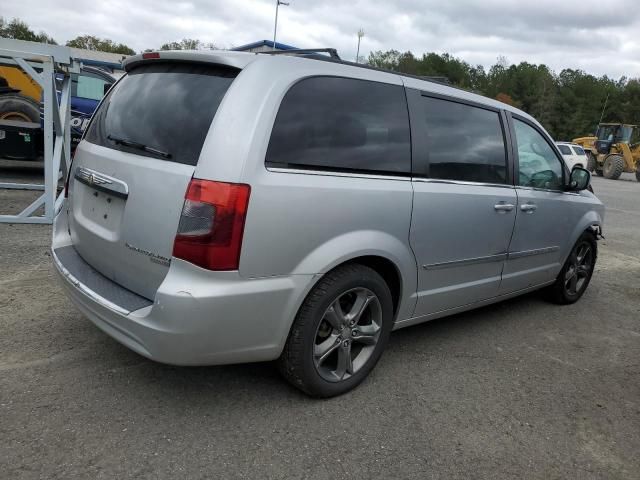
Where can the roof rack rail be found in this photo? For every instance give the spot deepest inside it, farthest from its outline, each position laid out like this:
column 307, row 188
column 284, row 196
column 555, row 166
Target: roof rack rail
column 333, row 53
column 335, row 58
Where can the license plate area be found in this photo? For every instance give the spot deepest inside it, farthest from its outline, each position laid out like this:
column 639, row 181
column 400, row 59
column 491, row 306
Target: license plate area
column 100, row 211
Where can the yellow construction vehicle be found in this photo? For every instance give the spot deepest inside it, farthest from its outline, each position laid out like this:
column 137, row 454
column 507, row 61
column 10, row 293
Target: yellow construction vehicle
column 614, row 149
column 19, row 96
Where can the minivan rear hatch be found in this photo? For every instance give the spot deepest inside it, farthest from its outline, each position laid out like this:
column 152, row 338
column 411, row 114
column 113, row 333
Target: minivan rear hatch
column 131, row 172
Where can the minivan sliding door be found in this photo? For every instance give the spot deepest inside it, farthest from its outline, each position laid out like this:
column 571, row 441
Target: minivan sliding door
column 464, row 203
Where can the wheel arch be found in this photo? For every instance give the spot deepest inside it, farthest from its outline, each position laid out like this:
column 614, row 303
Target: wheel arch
column 387, row 270
column 590, row 222
column 381, row 251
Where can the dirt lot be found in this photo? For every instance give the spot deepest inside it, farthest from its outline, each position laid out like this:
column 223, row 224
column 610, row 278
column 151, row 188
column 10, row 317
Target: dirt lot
column 522, row 389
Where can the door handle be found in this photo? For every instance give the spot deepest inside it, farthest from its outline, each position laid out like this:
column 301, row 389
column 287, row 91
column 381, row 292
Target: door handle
column 503, row 207
column 528, row 207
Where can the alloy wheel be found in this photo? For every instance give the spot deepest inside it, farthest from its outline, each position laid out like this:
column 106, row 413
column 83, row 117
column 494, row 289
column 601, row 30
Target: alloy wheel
column 347, row 334
column 579, row 268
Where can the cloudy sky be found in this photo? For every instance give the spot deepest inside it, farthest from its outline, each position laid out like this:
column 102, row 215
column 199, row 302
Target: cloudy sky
column 600, row 37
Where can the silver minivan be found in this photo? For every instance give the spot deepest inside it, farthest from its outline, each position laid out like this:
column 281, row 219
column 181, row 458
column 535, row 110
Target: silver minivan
column 229, row 207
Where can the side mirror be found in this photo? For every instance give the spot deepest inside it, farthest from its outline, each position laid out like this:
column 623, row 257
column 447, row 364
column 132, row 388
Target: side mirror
column 579, row 179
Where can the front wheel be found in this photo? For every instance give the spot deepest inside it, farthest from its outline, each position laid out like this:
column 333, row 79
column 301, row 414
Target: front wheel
column 613, row 167
column 339, row 333
column 638, row 171
column 574, row 278
column 592, row 163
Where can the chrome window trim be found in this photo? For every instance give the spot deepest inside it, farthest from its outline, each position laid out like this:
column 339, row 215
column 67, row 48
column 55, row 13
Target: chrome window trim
column 467, row 261
column 538, row 189
column 461, row 182
column 333, row 173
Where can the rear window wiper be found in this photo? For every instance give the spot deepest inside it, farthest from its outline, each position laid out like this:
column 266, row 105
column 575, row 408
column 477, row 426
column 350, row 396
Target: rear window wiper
column 139, row 146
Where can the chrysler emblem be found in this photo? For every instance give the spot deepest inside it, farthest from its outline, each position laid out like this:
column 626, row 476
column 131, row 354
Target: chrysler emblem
column 102, row 182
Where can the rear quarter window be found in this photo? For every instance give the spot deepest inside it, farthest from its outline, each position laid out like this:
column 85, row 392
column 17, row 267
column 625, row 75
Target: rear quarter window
column 564, row 149
column 342, row 124
column 166, row 107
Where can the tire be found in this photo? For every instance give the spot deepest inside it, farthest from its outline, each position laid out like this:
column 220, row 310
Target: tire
column 592, row 163
column 613, row 167
column 638, row 171
column 576, row 273
column 599, row 172
column 14, row 106
column 321, row 338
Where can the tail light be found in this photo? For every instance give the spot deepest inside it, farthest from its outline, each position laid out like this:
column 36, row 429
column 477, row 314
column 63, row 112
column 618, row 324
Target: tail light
column 212, row 223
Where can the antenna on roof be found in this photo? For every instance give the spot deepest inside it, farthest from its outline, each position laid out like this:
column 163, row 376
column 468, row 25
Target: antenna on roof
column 603, row 108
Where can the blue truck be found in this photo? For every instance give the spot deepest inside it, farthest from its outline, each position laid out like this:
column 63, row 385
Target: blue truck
column 21, row 118
column 87, row 89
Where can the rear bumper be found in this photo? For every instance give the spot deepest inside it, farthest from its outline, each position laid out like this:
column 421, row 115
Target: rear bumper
column 197, row 317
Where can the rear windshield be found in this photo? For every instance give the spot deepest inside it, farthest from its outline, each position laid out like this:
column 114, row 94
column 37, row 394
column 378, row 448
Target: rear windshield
column 161, row 110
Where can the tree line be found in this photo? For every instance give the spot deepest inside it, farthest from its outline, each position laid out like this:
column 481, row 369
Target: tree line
column 19, row 30
column 569, row 104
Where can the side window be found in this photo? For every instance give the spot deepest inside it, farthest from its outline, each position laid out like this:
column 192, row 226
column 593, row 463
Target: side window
column 539, row 167
column 564, row 149
column 331, row 123
column 464, row 142
column 90, row 87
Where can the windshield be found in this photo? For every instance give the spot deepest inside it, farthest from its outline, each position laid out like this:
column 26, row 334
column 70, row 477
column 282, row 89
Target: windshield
column 617, row 133
column 161, row 110
column 607, row 132
column 625, row 134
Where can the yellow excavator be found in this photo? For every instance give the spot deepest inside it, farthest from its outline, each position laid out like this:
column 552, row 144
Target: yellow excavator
column 612, row 150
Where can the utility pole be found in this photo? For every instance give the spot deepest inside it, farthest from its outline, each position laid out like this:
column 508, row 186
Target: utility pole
column 360, row 35
column 275, row 27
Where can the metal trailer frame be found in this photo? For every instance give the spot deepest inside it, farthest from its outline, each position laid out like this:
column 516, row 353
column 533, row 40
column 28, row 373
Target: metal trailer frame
column 30, row 56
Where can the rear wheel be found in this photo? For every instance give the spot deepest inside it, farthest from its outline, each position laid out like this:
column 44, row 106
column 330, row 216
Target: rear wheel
column 339, row 333
column 613, row 167
column 574, row 278
column 18, row 107
column 638, row 171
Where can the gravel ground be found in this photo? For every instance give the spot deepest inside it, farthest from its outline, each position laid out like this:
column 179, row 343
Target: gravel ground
column 522, row 389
